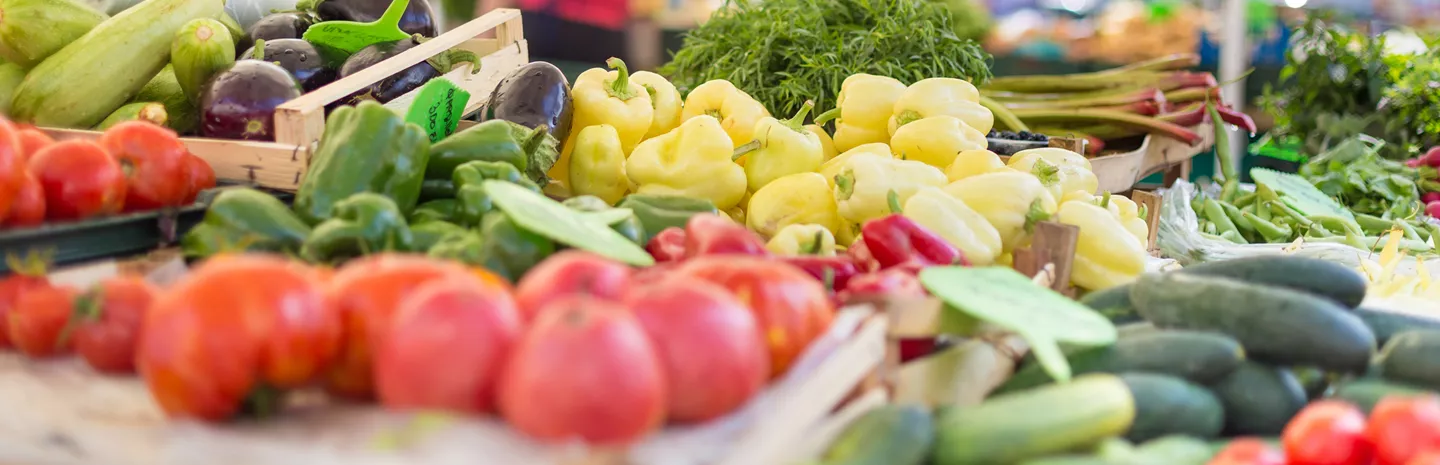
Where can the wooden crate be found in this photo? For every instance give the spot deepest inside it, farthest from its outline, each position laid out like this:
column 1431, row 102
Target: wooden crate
column 1121, row 171
column 299, row 123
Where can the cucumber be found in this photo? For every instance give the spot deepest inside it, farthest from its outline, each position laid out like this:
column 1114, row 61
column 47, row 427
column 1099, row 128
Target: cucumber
column 1367, row 392
column 1135, row 329
column 1068, row 460
column 32, row 30
column 1311, row 275
column 1313, row 380
column 1166, row 405
column 164, row 88
column 10, row 76
column 87, row 80
column 1413, row 357
column 1035, row 423
column 1177, row 450
column 202, row 48
column 892, row 434
column 1259, row 399
column 1385, row 324
column 1113, row 303
column 237, row 32
column 144, row 111
column 1275, row 325
column 1196, row 356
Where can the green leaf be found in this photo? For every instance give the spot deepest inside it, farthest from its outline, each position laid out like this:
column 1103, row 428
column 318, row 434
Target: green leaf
column 549, row 218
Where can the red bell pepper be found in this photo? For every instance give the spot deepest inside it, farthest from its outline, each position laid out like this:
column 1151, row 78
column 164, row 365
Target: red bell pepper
column 709, row 234
column 899, row 282
column 668, row 246
column 838, row 269
column 860, row 254
column 897, row 241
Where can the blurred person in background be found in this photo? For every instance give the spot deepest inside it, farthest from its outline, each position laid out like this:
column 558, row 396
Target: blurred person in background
column 588, row 31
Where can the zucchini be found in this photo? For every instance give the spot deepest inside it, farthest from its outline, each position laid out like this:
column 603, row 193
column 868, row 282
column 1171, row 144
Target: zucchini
column 202, row 49
column 1259, row 399
column 142, row 111
column 87, row 80
column 1385, row 324
column 32, row 30
column 1413, row 357
column 1177, row 450
column 1275, row 325
column 1196, row 356
column 1135, row 329
column 1367, row 392
column 1311, row 275
column 892, row 434
column 10, row 76
column 1035, row 423
column 1113, row 303
column 164, row 88
column 1166, row 405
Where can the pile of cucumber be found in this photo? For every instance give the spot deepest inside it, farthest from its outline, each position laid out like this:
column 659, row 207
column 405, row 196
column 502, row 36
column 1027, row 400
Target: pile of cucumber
column 1217, row 350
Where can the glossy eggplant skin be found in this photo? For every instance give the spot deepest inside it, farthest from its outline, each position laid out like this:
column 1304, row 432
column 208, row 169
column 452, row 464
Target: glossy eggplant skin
column 290, row 25
column 240, row 102
column 301, row 59
column 535, row 94
column 391, row 87
column 419, row 18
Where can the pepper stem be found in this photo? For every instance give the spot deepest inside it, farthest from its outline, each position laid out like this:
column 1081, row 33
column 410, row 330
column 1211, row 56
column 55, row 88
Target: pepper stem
column 32, row 264
column 742, row 151
column 1035, row 214
column 259, row 50
column 87, row 309
column 620, row 86
column 845, row 185
column 825, row 117
column 907, row 117
column 1046, row 172
column 814, row 247
column 1105, row 200
column 893, row 198
column 798, row 122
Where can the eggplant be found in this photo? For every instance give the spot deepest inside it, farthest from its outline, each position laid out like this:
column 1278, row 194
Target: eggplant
column 305, row 62
column 290, row 25
column 406, row 80
column 240, row 102
column 532, row 95
column 419, row 18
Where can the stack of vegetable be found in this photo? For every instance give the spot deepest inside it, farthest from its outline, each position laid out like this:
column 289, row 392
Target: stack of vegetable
column 1354, row 174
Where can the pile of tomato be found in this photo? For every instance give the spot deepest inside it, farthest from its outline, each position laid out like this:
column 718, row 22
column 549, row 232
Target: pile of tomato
column 134, row 166
column 1401, row 430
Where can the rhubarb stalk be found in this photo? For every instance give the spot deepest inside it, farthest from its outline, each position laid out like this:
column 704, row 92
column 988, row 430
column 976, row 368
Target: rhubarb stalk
column 1150, row 125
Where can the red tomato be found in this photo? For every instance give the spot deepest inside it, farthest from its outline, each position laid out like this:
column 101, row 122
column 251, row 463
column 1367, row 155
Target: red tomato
column 202, row 177
column 1248, row 451
column 1401, row 427
column 39, row 317
column 234, row 323
column 12, row 165
column 568, row 273
column 32, row 140
column 1429, row 457
column 366, row 293
column 109, row 323
column 154, row 160
column 791, row 306
column 80, row 180
column 1327, row 432
column 20, row 283
column 29, row 206
column 709, row 346
column 585, row 370
column 447, row 346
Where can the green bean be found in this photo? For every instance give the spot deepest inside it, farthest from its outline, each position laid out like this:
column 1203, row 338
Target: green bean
column 1216, row 214
column 1423, row 232
column 1245, row 200
column 1332, row 221
column 1266, row 193
column 1210, row 229
column 1374, row 243
column 1234, row 236
column 1410, row 232
column 1281, row 210
column 1318, row 231
column 1262, row 209
column 1372, row 223
column 1270, row 231
column 1198, row 204
column 1235, row 216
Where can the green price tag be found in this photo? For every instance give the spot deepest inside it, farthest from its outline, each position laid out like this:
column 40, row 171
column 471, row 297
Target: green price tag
column 438, row 108
column 1299, row 193
column 351, row 36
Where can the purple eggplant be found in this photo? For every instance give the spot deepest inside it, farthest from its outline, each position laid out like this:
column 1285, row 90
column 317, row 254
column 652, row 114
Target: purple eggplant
column 419, row 18
column 289, row 25
column 240, row 102
column 532, row 95
column 406, row 80
column 302, row 60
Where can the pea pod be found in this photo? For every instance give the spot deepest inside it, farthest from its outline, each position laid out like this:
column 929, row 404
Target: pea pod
column 1245, row 200
column 1234, row 236
column 1236, row 217
column 1371, row 223
column 1216, row 214
column 1270, row 231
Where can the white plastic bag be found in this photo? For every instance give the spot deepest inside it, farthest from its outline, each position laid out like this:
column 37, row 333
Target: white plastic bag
column 247, row 12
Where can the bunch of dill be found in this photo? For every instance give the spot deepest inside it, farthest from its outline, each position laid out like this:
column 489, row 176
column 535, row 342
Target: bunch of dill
column 784, row 52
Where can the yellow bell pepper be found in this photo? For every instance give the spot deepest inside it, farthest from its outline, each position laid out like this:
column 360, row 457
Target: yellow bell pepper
column 826, row 142
column 972, row 163
column 941, row 96
column 597, row 166
column 1099, row 200
column 800, row 198
column 736, row 111
column 1062, row 171
column 606, row 97
column 803, row 239
column 1124, row 210
column 832, row 166
column 664, row 99
column 936, row 140
column 1010, row 200
column 864, row 106
column 693, row 160
column 863, row 187
column 958, row 223
column 1106, row 255
column 781, row 148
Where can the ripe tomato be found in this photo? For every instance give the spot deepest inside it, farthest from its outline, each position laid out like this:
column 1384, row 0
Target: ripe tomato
column 29, row 206
column 1403, row 427
column 80, row 180
column 1327, row 432
column 32, row 140
column 107, row 322
column 234, row 323
column 366, row 293
column 791, row 306
column 20, row 283
column 39, row 318
column 154, row 161
column 202, row 177
column 584, row 370
column 1248, row 451
column 709, row 345
column 12, row 165
column 446, row 347
column 1429, row 457
column 568, row 273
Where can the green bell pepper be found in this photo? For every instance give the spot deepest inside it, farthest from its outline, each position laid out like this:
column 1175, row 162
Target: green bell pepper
column 245, row 220
column 532, row 151
column 500, row 246
column 433, row 189
column 434, row 210
column 657, row 212
column 361, row 224
column 473, row 203
column 365, row 148
column 429, row 233
column 629, row 226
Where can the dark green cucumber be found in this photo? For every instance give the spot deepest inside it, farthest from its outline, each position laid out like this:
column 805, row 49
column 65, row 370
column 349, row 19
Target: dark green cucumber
column 1135, row 329
column 1197, row 356
column 1367, row 392
column 1385, row 324
column 1275, row 325
column 1166, row 405
column 1259, row 399
column 1113, row 303
column 1035, row 423
column 891, row 435
column 1176, row 450
column 1314, row 380
column 1319, row 277
column 1413, row 357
